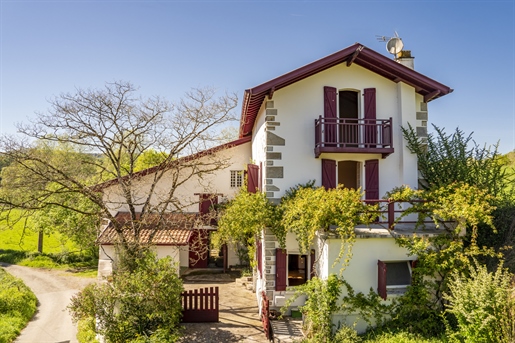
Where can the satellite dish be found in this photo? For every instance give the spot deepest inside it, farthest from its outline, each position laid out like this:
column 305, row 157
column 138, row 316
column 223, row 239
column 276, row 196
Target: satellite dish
column 394, row 45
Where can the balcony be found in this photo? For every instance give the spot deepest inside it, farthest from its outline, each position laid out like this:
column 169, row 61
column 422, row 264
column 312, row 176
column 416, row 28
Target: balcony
column 343, row 135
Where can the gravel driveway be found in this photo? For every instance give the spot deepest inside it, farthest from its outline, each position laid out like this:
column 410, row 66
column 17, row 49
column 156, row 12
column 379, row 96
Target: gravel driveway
column 53, row 288
column 239, row 318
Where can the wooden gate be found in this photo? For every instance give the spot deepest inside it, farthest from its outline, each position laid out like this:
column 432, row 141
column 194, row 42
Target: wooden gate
column 200, row 305
column 265, row 316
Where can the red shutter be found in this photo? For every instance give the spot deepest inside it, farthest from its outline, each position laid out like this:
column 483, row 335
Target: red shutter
column 312, row 264
column 370, row 117
column 414, row 264
column 206, row 201
column 328, row 173
column 252, row 178
column 205, row 204
column 330, row 114
column 372, row 179
column 280, row 269
column 260, row 258
column 381, row 279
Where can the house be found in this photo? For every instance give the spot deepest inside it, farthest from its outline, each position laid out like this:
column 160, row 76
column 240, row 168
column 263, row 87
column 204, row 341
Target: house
column 185, row 235
column 338, row 121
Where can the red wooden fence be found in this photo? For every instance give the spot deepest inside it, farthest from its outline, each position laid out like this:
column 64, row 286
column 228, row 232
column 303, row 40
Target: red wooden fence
column 200, row 305
column 265, row 316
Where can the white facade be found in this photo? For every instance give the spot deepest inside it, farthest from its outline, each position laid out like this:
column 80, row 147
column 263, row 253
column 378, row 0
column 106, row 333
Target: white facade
column 283, row 142
column 218, row 182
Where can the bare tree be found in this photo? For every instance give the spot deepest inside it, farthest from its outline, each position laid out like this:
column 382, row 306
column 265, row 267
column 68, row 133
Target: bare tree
column 105, row 132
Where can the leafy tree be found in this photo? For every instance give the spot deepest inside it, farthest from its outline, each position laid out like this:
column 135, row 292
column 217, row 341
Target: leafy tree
column 243, row 219
column 449, row 158
column 137, row 304
column 110, row 130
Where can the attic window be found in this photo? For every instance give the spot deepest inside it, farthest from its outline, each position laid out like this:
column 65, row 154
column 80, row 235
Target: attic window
column 394, row 277
column 236, row 178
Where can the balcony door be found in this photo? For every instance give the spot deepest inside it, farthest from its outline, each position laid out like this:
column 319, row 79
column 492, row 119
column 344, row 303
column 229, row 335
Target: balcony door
column 348, row 109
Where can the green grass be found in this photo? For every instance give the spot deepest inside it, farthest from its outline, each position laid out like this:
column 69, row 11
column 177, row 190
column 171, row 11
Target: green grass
column 17, row 306
column 18, row 239
column 19, row 246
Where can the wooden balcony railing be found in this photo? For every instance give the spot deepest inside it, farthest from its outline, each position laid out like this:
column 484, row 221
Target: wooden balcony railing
column 391, row 213
column 342, row 135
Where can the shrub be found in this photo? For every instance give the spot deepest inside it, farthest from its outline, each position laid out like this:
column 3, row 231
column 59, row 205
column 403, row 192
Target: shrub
column 142, row 305
column 17, row 305
column 483, row 305
column 321, row 304
column 86, row 330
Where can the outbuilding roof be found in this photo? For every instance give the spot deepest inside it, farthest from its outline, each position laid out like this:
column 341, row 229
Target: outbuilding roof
column 176, row 230
column 357, row 53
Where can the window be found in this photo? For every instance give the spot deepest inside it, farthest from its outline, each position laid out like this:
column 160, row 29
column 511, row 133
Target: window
column 236, row 178
column 394, row 277
column 297, row 269
column 292, row 269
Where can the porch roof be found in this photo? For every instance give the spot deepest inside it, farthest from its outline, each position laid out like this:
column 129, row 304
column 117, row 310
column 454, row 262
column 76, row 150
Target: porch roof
column 175, row 229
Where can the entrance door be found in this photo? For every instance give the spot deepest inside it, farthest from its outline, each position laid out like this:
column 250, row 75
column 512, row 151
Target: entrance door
column 199, row 249
column 348, row 109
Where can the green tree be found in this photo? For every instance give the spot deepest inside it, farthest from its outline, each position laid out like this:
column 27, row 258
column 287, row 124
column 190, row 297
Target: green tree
column 449, row 158
column 243, row 219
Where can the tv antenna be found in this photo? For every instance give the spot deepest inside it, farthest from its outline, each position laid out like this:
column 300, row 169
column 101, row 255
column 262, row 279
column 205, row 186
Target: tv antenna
column 394, row 44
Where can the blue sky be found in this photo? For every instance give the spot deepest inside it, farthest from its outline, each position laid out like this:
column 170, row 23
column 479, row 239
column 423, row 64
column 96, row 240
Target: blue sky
column 167, row 47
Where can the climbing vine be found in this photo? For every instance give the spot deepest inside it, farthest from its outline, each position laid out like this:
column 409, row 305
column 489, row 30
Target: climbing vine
column 243, row 219
column 331, row 212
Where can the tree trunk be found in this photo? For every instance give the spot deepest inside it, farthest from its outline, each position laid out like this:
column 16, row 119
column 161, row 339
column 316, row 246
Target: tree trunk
column 40, row 242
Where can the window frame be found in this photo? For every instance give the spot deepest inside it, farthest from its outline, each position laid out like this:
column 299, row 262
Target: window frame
column 383, row 289
column 236, row 180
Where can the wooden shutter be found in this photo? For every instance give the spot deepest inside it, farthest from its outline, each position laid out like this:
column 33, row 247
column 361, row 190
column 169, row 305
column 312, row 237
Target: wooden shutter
column 330, row 115
column 372, row 179
column 280, row 269
column 206, row 201
column 252, row 178
column 312, row 264
column 370, row 118
column 328, row 173
column 260, row 257
column 381, row 279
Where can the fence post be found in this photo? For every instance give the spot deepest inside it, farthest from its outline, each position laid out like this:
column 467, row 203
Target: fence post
column 391, row 214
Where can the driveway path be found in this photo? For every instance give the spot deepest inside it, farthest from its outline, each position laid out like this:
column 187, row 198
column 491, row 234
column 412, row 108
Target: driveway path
column 51, row 323
column 239, row 318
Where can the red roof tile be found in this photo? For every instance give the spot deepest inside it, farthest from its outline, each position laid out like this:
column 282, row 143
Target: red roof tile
column 176, row 229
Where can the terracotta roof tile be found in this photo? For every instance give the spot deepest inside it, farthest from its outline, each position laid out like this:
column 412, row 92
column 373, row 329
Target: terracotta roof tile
column 176, row 229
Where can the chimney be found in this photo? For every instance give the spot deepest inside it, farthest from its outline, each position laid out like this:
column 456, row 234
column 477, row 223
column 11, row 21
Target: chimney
column 404, row 58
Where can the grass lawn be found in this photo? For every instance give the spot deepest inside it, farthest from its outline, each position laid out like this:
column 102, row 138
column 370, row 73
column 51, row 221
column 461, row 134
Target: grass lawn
column 18, row 239
column 19, row 246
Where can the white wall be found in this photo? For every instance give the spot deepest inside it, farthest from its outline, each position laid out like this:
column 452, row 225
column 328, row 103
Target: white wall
column 214, row 182
column 298, row 106
column 362, row 271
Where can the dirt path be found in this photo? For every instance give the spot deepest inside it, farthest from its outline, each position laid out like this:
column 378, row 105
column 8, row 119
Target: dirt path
column 53, row 288
column 239, row 318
